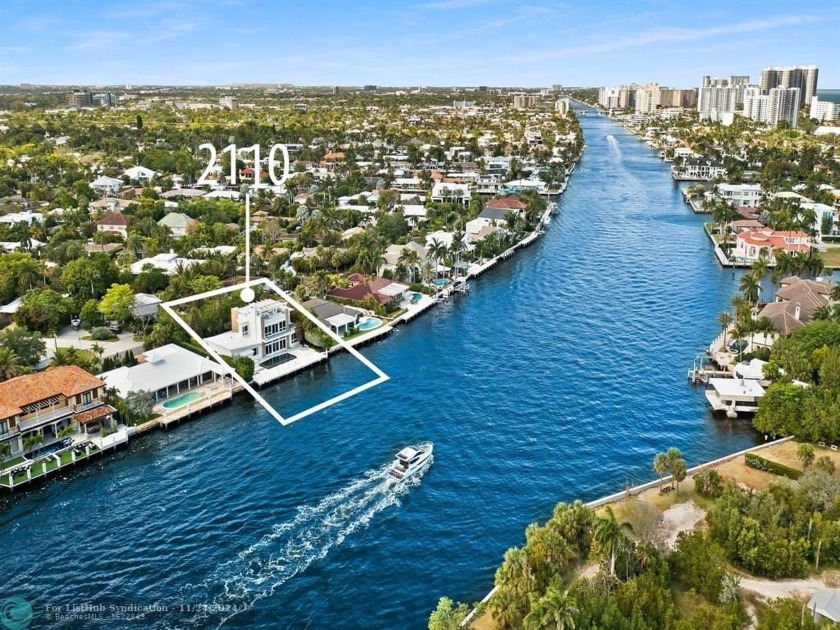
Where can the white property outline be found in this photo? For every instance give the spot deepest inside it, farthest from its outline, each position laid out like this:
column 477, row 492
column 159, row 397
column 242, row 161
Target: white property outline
column 381, row 377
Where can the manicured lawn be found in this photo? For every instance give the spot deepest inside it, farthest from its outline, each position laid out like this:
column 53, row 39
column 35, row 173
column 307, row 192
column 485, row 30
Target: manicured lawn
column 831, row 256
column 11, row 463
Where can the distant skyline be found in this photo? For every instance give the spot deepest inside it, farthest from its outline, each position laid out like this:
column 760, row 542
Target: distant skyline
column 532, row 43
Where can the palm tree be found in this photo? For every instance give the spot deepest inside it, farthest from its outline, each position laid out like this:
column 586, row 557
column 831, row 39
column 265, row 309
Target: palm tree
column 437, row 250
column 750, row 287
column 9, row 364
column 823, row 312
column 724, row 319
column 660, row 465
column 765, row 326
column 506, row 608
column 761, row 266
column 676, row 465
column 738, row 332
column 5, row 451
column 64, row 356
column 98, row 350
column 611, row 535
column 555, row 610
column 32, row 441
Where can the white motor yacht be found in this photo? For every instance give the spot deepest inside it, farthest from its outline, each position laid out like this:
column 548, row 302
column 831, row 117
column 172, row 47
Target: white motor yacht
column 410, row 460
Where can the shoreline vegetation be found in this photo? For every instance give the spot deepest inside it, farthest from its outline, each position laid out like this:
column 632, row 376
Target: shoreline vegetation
column 675, row 555
column 394, row 201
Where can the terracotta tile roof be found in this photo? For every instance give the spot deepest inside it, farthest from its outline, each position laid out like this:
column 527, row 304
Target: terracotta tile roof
column 113, row 218
column 511, row 202
column 361, row 290
column 65, row 380
column 94, row 414
column 775, row 239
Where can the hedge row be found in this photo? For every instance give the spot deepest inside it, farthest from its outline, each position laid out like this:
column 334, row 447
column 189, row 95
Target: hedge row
column 759, row 463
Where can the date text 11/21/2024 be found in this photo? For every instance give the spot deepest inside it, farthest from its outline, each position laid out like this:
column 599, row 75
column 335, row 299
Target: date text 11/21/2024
column 255, row 149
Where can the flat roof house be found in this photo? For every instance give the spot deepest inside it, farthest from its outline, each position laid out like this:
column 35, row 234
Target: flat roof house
column 262, row 331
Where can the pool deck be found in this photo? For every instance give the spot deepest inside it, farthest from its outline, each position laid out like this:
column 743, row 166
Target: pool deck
column 304, row 357
column 213, row 394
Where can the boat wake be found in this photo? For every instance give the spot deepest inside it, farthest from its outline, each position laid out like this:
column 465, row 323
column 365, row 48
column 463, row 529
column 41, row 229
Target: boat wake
column 291, row 547
column 614, row 148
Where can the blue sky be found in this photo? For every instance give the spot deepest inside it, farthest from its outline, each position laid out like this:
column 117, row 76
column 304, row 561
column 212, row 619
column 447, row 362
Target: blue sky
column 425, row 42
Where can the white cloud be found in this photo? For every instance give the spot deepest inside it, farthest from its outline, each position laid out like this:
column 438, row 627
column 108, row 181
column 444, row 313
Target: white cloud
column 664, row 35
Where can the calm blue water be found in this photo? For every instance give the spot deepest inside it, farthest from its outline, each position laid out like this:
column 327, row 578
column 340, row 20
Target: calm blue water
column 558, row 376
column 829, row 95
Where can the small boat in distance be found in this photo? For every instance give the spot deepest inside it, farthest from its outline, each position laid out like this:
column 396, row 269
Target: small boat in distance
column 410, row 460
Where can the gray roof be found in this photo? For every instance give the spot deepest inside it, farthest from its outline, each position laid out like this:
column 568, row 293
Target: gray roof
column 494, row 214
column 826, row 603
column 324, row 309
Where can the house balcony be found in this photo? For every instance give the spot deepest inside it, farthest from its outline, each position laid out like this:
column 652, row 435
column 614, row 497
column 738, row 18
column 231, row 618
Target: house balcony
column 86, row 406
column 45, row 418
column 290, row 329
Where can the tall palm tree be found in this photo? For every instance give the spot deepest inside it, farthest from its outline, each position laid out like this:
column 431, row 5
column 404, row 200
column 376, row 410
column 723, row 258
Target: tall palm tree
column 724, row 318
column 750, row 288
column 765, row 326
column 9, row 364
column 611, row 535
column 660, row 466
column 437, row 250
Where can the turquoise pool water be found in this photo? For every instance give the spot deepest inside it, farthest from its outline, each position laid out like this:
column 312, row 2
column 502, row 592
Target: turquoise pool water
column 442, row 282
column 416, row 297
column 181, row 400
column 369, row 323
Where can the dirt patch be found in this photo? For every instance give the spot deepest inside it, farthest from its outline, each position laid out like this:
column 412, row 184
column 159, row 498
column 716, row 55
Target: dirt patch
column 681, row 517
column 772, row 589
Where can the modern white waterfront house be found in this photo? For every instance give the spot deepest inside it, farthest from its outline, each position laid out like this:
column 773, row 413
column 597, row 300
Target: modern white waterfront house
column 262, row 331
column 740, row 195
column 734, row 395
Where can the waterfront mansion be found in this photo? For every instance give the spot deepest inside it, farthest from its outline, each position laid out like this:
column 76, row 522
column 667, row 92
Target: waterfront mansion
column 45, row 403
column 262, row 331
column 754, row 244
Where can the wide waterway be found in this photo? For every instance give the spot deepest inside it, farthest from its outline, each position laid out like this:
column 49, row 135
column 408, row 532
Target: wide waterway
column 557, row 377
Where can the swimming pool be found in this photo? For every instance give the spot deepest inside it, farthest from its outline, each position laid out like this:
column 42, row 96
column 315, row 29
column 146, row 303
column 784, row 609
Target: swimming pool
column 442, row 282
column 416, row 297
column 181, row 400
column 368, row 323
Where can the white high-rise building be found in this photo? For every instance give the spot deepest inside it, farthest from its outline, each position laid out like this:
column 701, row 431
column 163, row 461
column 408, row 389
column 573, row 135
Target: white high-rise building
column 783, row 105
column 563, row 105
column 717, row 103
column 756, row 104
column 647, row 99
column 824, row 110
